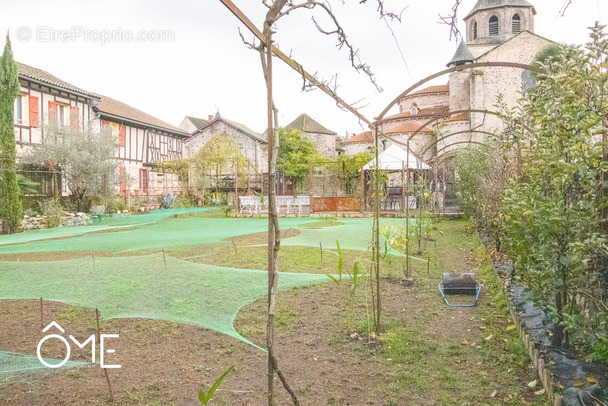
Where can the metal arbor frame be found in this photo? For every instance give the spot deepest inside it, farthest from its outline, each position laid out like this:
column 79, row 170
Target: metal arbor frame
column 266, row 38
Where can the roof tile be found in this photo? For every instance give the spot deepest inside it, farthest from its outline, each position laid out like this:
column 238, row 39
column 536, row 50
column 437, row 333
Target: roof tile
column 306, row 124
column 120, row 109
column 364, row 137
column 409, row 127
column 27, row 71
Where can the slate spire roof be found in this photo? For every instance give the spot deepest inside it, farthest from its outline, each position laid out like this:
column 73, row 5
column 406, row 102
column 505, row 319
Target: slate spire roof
column 486, row 4
column 462, row 55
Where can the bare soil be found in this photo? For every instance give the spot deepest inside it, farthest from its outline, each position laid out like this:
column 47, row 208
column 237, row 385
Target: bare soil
column 429, row 355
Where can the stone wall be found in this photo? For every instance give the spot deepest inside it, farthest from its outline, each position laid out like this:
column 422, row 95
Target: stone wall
column 353, row 148
column 326, row 143
column 254, row 150
column 502, row 80
column 505, row 29
column 68, row 219
column 564, row 377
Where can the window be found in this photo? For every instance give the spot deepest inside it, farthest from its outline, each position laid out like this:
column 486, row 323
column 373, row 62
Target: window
column 18, row 110
column 493, row 26
column 414, row 110
column 21, row 110
column 61, row 114
column 516, row 24
column 475, row 30
column 144, row 177
column 58, row 112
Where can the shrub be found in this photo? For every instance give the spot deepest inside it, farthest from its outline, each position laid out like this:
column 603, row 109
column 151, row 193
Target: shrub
column 53, row 210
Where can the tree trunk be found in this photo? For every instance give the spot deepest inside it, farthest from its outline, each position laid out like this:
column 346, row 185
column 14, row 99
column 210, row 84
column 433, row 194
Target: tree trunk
column 558, row 330
column 272, row 269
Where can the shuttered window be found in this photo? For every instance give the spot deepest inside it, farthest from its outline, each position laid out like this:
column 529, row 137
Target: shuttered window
column 74, row 117
column 122, row 135
column 493, row 26
column 144, row 176
column 123, row 180
column 516, row 24
column 475, row 30
column 34, row 112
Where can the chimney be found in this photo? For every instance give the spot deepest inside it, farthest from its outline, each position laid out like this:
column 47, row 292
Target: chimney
column 210, row 118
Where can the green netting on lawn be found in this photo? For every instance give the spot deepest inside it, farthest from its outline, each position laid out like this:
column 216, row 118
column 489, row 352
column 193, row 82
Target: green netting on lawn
column 100, row 224
column 354, row 234
column 168, row 233
column 161, row 231
column 141, row 286
column 150, row 217
column 12, row 364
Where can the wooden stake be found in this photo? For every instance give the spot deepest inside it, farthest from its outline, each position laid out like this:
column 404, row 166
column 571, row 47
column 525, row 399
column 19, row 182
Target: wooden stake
column 105, row 370
column 321, row 249
column 97, row 317
column 428, row 266
column 310, row 186
column 407, row 212
column 362, row 197
column 165, row 259
column 403, row 203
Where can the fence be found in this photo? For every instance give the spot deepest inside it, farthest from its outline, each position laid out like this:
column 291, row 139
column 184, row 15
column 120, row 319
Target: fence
column 38, row 181
column 334, row 186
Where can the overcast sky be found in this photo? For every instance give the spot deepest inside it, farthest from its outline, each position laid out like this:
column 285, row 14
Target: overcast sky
column 202, row 65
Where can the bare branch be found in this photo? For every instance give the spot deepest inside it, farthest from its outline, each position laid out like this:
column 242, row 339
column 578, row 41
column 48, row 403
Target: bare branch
column 384, row 13
column 451, row 20
column 337, row 30
column 565, row 7
column 251, row 45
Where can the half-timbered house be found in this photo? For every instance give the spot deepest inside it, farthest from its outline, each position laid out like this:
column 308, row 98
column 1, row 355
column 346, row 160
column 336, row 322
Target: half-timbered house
column 143, row 141
column 42, row 96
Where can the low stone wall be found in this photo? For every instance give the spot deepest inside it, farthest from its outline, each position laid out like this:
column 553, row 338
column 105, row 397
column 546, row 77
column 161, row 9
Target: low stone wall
column 68, row 219
column 567, row 380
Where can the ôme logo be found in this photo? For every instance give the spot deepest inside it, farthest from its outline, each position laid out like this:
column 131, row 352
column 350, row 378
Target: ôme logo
column 91, row 339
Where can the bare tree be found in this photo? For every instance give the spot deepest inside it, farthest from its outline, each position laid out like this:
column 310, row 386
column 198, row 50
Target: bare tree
column 276, row 10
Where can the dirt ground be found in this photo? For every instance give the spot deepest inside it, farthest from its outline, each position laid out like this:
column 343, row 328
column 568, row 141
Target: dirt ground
column 430, row 354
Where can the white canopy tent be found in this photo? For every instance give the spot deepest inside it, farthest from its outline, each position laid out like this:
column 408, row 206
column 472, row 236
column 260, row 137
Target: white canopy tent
column 395, row 158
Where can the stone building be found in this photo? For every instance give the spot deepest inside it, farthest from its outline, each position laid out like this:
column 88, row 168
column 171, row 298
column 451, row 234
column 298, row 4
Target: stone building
column 358, row 143
column 325, row 140
column 253, row 145
column 496, row 31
